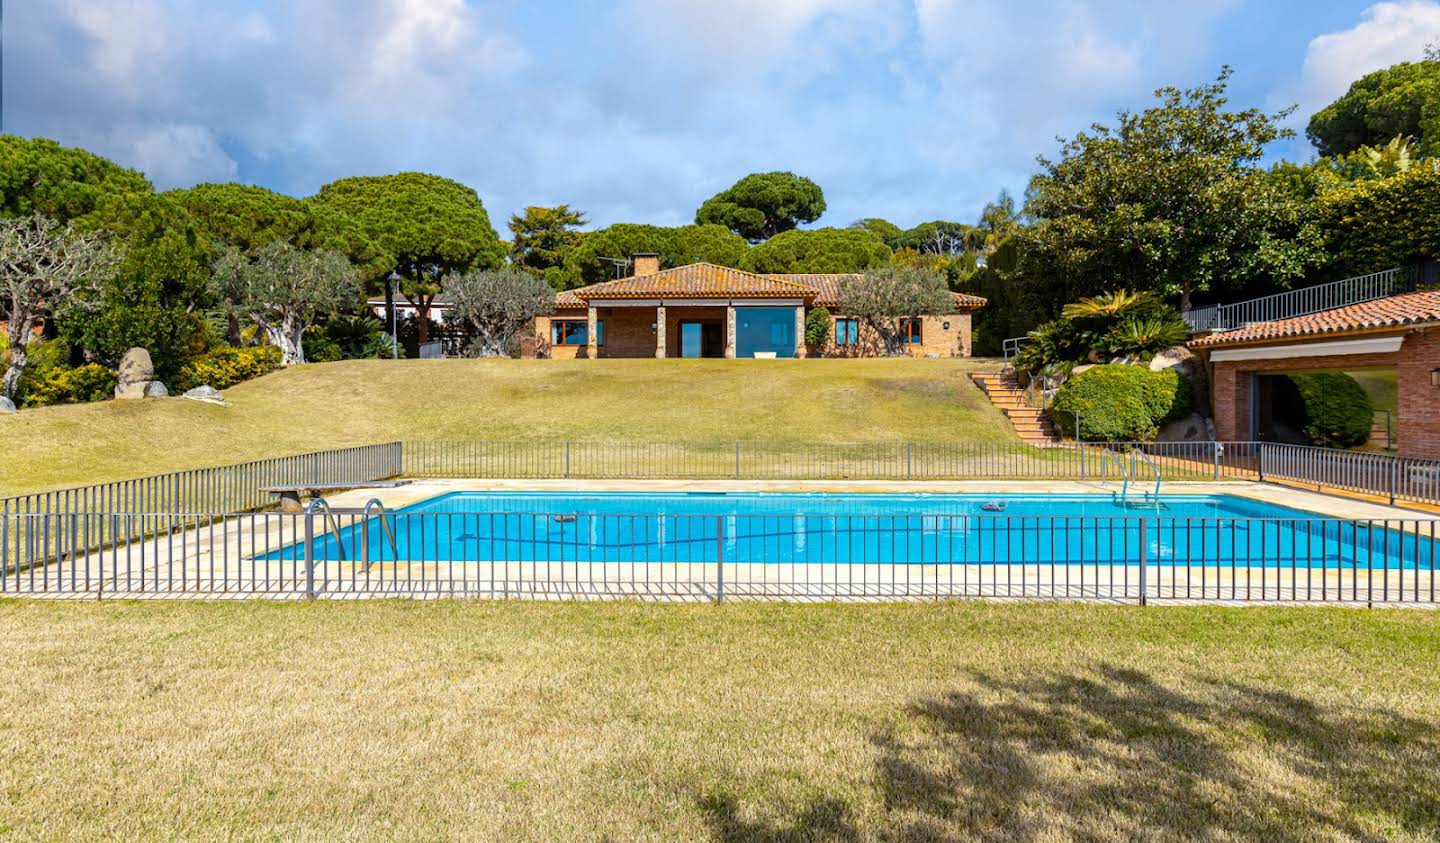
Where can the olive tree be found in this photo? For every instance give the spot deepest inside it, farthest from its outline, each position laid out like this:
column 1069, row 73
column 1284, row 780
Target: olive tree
column 887, row 297
column 284, row 289
column 498, row 305
column 44, row 267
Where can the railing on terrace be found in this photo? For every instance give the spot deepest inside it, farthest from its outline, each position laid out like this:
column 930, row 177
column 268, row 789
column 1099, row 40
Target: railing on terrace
column 1363, row 288
column 933, row 553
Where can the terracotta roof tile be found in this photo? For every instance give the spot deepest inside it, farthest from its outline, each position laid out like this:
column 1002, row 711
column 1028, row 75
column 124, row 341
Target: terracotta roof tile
column 827, row 287
column 1390, row 312
column 698, row 280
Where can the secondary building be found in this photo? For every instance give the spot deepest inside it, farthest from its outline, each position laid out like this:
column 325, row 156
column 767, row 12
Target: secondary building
column 703, row 310
column 1399, row 334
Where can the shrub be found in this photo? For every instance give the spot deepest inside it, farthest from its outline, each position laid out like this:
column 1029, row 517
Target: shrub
column 225, row 366
column 1120, row 403
column 817, row 327
column 1145, row 336
column 60, row 385
column 1331, row 408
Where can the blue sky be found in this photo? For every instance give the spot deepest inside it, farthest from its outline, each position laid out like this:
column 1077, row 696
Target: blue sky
column 638, row 110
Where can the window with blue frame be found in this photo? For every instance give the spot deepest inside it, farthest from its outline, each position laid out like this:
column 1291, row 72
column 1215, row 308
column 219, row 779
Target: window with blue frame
column 765, row 330
column 575, row 332
column 847, row 332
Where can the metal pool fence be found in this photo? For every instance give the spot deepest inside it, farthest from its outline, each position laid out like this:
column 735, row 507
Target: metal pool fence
column 351, row 553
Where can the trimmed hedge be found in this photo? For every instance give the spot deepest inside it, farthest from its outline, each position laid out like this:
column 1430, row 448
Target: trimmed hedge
column 1331, row 408
column 1120, row 403
column 225, row 366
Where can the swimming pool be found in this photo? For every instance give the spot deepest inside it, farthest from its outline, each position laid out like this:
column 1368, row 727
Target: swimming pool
column 1203, row 531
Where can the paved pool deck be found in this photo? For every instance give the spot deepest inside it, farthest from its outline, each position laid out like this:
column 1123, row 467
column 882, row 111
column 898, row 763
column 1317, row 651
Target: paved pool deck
column 1327, row 505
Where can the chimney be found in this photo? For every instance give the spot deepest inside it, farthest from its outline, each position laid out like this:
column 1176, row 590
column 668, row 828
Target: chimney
column 646, row 263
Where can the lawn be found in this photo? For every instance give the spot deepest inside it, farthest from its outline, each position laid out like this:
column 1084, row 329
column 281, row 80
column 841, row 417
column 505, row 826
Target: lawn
column 737, row 722
column 359, row 402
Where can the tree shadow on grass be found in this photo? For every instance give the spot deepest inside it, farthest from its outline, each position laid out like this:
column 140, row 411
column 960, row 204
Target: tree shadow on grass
column 1112, row 754
column 1115, row 755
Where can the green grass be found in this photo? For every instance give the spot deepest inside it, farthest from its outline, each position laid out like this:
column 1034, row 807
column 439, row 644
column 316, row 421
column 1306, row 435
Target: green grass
column 359, row 402
column 738, row 722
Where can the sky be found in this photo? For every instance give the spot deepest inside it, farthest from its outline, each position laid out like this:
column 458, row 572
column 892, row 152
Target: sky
column 639, row 110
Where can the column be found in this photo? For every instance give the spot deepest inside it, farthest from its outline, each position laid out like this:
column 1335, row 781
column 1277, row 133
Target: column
column 592, row 341
column 660, row 331
column 730, row 332
column 800, row 331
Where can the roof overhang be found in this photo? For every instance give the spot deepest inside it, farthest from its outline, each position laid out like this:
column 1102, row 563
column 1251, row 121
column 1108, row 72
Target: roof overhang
column 1289, row 351
column 712, row 301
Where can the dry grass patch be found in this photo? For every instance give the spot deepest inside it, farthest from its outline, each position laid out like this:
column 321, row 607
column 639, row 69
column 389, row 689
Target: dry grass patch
column 364, row 401
column 739, row 722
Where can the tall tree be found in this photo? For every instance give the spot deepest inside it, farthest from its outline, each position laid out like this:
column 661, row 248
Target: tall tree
column 424, row 227
column 1173, row 199
column 819, row 250
column 39, row 176
column 285, row 289
column 44, row 268
column 594, row 259
column 1399, row 101
column 542, row 238
column 888, row 231
column 762, row 205
column 884, row 298
column 498, row 306
column 998, row 220
column 941, row 237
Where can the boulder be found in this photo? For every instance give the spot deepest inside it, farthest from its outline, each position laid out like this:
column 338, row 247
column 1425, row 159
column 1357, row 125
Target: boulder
column 136, row 373
column 6, row 406
column 1192, row 428
column 208, row 394
column 1179, row 357
column 156, row 389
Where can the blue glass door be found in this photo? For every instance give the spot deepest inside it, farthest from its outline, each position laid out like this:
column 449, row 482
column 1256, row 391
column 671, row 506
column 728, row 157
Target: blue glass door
column 689, row 339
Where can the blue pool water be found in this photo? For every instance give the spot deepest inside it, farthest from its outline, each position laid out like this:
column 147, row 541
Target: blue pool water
column 1199, row 530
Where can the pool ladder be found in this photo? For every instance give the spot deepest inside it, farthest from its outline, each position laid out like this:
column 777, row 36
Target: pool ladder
column 332, row 525
column 1123, row 496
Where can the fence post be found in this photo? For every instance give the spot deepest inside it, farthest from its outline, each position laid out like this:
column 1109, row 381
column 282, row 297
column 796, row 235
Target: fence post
column 719, row 559
column 567, row 460
column 1260, row 448
column 1144, row 554
column 1215, row 453
column 737, row 460
column 309, row 554
column 1394, row 477
column 909, row 460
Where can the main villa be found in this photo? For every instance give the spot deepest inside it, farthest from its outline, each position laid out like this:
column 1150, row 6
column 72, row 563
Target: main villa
column 704, row 310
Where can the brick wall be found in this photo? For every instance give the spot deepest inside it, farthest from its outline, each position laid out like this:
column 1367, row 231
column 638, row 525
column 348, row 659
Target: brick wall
column 628, row 333
column 1418, row 419
column 935, row 339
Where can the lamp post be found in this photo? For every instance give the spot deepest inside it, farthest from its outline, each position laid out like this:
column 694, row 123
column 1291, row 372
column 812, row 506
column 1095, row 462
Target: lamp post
column 394, row 336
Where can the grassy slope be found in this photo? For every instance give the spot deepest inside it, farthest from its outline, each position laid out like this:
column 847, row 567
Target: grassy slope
column 359, row 402
column 741, row 722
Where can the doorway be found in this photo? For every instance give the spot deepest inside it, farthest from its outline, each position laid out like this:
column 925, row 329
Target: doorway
column 702, row 339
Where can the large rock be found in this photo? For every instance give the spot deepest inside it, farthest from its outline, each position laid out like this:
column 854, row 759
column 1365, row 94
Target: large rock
column 1192, row 428
column 136, row 366
column 208, row 394
column 156, row 389
column 1179, row 357
column 6, row 406
column 136, row 374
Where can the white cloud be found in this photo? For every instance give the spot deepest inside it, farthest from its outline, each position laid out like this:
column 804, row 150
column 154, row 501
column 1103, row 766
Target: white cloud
column 1387, row 33
column 175, row 155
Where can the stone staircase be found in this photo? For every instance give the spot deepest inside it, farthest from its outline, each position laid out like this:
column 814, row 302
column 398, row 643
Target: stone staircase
column 1006, row 393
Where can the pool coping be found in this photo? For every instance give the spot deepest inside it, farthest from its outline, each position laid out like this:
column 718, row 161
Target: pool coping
column 1324, row 505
